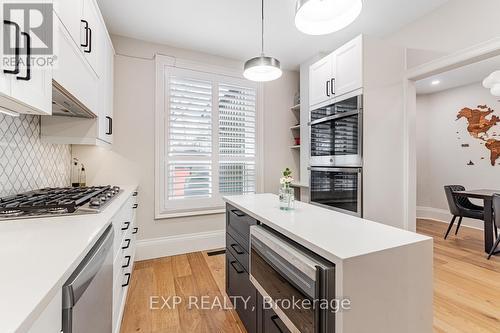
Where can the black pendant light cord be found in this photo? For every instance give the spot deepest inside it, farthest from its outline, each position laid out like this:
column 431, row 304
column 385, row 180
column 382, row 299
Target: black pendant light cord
column 262, row 29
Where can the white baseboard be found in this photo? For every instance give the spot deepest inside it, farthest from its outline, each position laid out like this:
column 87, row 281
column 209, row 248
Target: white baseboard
column 173, row 245
column 442, row 215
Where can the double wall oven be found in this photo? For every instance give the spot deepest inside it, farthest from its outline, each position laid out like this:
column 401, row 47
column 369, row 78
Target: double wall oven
column 337, row 155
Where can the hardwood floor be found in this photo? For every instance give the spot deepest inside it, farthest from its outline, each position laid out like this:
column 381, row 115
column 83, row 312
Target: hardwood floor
column 193, row 274
column 466, row 289
column 466, row 285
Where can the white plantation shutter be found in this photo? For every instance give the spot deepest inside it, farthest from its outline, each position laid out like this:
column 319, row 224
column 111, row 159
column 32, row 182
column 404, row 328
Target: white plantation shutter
column 237, row 134
column 190, row 136
column 210, row 140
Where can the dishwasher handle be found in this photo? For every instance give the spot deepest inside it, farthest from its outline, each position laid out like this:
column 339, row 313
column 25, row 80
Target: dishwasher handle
column 83, row 275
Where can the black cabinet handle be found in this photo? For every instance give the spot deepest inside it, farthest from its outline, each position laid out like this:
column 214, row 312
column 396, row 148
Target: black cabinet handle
column 90, row 42
column 135, row 231
column 126, row 224
column 126, row 246
column 238, row 270
column 236, row 249
column 15, row 71
column 134, row 194
column 128, row 280
column 332, row 86
column 110, row 125
column 273, row 319
column 135, row 206
column 327, row 89
column 28, row 58
column 238, row 213
column 86, row 44
column 128, row 262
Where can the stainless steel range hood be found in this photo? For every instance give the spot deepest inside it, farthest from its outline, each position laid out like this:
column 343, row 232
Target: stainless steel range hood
column 65, row 104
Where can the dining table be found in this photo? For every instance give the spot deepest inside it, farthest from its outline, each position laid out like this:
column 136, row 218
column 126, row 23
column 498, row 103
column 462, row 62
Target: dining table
column 487, row 196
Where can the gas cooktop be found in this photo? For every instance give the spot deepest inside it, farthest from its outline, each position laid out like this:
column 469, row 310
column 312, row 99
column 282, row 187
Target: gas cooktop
column 57, row 202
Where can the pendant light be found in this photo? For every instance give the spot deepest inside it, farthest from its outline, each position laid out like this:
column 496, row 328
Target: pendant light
column 492, row 82
column 321, row 17
column 262, row 68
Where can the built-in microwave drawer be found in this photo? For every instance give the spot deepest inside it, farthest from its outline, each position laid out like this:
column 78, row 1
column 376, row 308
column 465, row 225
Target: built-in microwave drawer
column 239, row 287
column 238, row 225
column 238, row 251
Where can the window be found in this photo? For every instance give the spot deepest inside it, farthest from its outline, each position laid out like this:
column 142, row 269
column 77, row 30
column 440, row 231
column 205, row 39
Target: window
column 207, row 139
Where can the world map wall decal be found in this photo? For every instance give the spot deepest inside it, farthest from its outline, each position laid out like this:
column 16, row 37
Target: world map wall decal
column 481, row 125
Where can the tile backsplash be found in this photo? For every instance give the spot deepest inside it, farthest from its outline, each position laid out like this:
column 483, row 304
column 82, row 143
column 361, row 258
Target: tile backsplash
column 27, row 163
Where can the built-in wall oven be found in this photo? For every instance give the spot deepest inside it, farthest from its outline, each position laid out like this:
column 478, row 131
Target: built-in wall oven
column 296, row 283
column 336, row 133
column 337, row 188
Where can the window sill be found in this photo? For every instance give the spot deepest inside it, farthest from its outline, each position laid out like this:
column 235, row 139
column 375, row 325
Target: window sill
column 172, row 215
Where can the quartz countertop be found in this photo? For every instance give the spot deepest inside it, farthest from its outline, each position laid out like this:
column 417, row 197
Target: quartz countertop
column 38, row 256
column 333, row 235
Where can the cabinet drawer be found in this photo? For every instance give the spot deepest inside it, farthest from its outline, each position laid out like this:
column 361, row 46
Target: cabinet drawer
column 238, row 225
column 237, row 251
column 271, row 323
column 238, row 284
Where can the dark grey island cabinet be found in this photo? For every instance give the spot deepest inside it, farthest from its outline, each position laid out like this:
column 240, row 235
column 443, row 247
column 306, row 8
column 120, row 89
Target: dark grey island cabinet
column 238, row 285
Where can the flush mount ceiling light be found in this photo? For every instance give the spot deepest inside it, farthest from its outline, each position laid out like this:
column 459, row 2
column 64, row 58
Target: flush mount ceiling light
column 321, row 17
column 435, row 82
column 262, row 68
column 492, row 82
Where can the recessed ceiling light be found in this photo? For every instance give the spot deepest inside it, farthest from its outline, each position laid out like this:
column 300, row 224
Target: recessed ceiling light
column 435, row 82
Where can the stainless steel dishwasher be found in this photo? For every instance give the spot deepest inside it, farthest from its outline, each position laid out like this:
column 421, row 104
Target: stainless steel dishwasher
column 88, row 293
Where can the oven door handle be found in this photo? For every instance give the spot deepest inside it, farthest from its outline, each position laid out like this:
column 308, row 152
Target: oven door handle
column 346, row 170
column 336, row 116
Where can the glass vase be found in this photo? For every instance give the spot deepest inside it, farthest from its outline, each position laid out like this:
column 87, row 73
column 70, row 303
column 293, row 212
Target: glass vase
column 287, row 197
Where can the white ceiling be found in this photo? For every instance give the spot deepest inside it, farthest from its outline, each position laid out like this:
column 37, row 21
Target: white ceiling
column 231, row 28
column 459, row 77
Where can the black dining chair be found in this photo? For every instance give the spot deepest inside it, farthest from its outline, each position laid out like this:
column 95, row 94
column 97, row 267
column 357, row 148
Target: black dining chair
column 496, row 208
column 461, row 206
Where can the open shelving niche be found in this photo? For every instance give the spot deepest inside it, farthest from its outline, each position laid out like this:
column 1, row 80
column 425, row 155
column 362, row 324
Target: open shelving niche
column 296, row 128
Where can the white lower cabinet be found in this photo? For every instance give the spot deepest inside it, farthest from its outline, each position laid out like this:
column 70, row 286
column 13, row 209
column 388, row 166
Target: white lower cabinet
column 124, row 224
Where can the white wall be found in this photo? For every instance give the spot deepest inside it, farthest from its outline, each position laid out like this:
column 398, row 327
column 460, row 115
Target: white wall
column 440, row 158
column 131, row 159
column 454, row 26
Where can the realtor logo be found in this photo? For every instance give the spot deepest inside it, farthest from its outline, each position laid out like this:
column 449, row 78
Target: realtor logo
column 23, row 19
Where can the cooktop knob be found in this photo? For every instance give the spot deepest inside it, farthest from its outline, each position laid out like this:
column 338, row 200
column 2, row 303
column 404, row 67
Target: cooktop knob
column 109, row 194
column 103, row 198
column 95, row 203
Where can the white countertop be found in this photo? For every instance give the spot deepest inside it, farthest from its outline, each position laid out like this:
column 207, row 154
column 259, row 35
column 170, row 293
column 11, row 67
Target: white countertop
column 38, row 256
column 333, row 235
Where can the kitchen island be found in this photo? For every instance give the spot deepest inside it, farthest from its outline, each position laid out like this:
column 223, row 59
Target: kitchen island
column 384, row 272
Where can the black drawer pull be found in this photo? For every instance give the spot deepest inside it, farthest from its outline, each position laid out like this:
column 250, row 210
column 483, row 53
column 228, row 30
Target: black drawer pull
column 110, row 125
column 327, row 89
column 273, row 319
column 126, row 246
column 128, row 262
column 28, row 58
column 128, row 280
column 238, row 270
column 135, row 194
column 15, row 71
column 135, row 231
column 238, row 213
column 236, row 249
column 126, row 226
column 135, row 206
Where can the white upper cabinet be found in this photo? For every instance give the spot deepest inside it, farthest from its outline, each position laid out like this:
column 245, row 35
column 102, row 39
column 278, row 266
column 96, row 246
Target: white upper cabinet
column 92, row 36
column 349, row 67
column 337, row 74
column 25, row 80
column 321, row 80
column 85, row 72
column 70, row 13
column 106, row 91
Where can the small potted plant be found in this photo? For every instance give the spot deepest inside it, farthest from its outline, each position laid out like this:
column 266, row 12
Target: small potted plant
column 286, row 194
